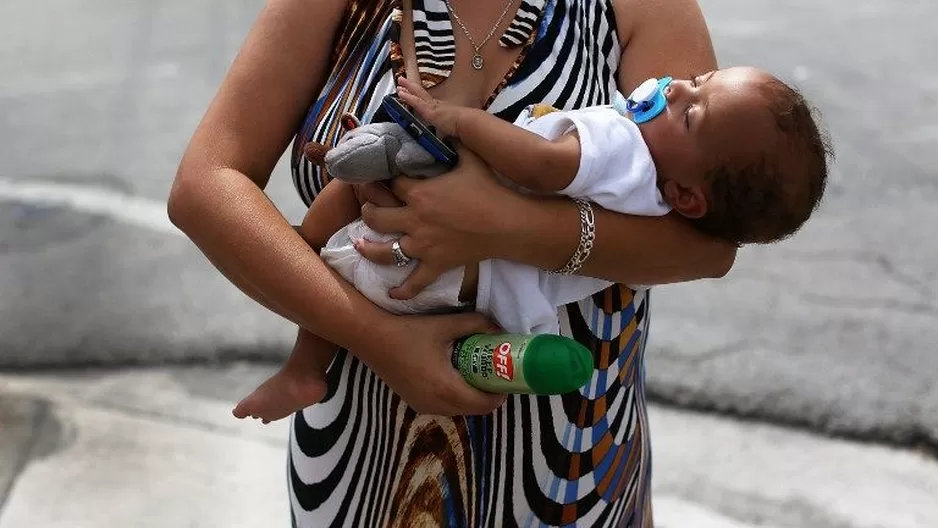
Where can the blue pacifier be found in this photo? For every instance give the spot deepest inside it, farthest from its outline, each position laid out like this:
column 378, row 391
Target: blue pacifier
column 647, row 101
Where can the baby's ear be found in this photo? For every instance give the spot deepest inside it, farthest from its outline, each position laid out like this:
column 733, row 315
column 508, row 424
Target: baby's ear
column 690, row 202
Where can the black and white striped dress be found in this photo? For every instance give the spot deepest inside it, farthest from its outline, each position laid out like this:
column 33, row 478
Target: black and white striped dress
column 362, row 458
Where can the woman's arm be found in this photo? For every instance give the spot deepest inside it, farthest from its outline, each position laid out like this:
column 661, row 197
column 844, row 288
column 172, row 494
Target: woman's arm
column 627, row 249
column 217, row 200
column 217, row 197
column 447, row 224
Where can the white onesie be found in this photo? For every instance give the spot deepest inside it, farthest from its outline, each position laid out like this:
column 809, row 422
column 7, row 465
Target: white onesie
column 616, row 172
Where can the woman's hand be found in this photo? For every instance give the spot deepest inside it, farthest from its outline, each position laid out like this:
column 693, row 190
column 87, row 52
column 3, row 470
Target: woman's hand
column 413, row 355
column 449, row 221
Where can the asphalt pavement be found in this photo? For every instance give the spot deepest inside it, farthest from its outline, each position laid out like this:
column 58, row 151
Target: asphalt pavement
column 833, row 330
column 101, row 97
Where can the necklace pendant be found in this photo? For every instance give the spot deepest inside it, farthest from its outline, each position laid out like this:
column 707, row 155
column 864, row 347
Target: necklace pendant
column 477, row 61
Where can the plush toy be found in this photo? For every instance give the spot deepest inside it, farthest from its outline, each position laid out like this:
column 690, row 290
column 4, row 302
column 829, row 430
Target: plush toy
column 373, row 152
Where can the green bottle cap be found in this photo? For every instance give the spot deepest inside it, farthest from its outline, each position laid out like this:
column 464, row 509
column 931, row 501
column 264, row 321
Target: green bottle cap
column 555, row 364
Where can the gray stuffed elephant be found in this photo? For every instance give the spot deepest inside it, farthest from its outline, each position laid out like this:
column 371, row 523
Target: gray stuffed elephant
column 374, row 152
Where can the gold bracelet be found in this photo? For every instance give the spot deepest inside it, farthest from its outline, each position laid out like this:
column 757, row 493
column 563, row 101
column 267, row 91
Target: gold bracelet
column 587, row 237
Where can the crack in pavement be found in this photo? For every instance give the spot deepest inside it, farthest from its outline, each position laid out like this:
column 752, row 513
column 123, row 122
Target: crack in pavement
column 180, row 421
column 153, row 415
column 863, row 256
column 880, row 264
column 690, row 400
column 39, row 417
column 831, row 301
column 698, row 357
column 755, row 509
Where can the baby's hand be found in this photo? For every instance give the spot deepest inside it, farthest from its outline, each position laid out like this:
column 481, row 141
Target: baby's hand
column 441, row 115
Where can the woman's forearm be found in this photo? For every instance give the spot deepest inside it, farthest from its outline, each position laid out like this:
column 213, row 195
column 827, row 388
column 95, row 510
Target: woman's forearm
column 217, row 197
column 627, row 249
column 243, row 234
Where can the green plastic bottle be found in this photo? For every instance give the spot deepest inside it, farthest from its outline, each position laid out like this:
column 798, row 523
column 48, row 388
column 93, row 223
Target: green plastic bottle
column 525, row 364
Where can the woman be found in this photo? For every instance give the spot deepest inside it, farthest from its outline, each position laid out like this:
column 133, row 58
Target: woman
column 364, row 457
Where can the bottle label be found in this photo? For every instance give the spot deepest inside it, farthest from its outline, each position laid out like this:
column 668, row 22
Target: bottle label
column 502, row 363
column 493, row 362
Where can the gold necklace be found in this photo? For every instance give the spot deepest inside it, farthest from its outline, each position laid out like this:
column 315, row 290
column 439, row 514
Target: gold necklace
column 477, row 61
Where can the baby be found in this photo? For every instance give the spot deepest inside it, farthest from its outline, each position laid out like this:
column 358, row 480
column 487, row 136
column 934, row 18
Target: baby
column 736, row 151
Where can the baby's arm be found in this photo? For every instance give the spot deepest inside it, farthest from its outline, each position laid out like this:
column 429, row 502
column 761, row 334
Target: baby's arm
column 524, row 157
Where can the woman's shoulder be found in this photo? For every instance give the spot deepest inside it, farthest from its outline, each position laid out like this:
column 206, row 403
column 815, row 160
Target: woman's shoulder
column 661, row 37
column 632, row 15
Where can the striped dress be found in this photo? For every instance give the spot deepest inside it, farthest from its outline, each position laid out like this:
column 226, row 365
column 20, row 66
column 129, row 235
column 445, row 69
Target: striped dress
column 362, row 458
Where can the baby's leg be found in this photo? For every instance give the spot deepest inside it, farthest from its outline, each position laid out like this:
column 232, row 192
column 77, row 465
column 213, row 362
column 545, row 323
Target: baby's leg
column 301, row 381
column 336, row 206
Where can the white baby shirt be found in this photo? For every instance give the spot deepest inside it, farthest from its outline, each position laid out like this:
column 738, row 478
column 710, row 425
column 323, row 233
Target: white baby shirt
column 617, row 173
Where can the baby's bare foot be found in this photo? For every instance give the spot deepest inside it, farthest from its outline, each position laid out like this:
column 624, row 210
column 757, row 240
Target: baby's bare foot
column 281, row 395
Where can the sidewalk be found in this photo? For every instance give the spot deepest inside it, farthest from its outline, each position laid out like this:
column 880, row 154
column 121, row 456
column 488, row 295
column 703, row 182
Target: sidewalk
column 158, row 448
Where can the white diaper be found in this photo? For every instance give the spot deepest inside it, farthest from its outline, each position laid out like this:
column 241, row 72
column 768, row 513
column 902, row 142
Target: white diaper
column 374, row 280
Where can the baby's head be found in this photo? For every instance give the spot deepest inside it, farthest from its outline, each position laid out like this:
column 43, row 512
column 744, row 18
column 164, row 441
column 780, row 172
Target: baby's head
column 739, row 152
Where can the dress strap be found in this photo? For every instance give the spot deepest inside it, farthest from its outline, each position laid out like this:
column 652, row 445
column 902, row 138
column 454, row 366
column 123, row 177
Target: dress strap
column 435, row 44
column 523, row 25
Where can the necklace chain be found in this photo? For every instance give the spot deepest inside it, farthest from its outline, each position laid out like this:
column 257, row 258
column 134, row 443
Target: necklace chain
column 477, row 61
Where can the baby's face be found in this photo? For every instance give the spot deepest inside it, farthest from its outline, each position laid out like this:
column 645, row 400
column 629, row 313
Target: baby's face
column 717, row 117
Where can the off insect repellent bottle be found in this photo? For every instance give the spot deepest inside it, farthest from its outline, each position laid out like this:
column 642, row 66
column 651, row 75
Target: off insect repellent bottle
column 526, row 364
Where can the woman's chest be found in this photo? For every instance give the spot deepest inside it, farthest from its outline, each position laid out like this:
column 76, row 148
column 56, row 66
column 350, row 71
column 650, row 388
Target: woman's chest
column 564, row 53
column 561, row 52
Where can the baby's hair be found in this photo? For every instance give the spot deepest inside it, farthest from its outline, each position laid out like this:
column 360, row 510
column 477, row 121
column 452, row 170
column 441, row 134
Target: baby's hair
column 769, row 200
